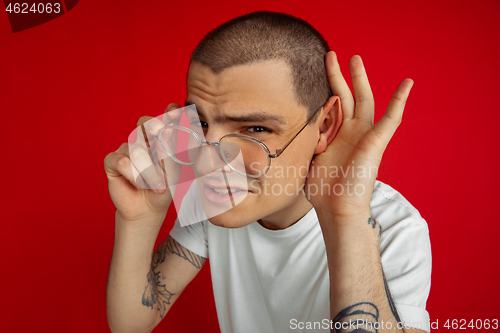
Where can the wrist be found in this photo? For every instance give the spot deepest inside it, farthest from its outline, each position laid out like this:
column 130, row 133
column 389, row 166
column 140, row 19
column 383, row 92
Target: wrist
column 345, row 217
column 138, row 237
column 360, row 225
column 146, row 224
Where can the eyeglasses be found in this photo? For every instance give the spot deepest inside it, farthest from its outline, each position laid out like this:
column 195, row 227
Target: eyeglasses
column 245, row 155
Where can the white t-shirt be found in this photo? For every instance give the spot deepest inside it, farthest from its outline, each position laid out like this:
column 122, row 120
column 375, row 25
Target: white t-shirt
column 277, row 280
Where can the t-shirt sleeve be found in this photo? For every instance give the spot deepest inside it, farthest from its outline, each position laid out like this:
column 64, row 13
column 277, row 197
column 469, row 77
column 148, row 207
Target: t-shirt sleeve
column 405, row 253
column 191, row 233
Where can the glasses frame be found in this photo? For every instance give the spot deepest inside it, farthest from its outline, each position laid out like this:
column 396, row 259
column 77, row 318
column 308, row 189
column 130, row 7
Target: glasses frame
column 218, row 145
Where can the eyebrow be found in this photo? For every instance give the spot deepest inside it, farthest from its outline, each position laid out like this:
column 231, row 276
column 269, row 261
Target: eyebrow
column 257, row 117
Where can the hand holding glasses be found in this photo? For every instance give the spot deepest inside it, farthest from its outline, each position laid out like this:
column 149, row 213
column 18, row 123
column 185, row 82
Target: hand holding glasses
column 151, row 167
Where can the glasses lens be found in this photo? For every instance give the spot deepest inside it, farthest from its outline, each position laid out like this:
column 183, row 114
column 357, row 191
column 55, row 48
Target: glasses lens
column 245, row 156
column 180, row 144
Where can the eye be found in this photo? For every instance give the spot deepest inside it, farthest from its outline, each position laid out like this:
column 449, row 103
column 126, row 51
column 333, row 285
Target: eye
column 258, row 129
column 199, row 123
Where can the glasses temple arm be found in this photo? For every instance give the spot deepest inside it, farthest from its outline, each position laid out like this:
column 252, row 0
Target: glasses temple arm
column 280, row 151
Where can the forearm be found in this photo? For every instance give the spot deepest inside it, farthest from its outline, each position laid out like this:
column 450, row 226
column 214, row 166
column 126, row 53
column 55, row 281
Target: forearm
column 358, row 292
column 128, row 276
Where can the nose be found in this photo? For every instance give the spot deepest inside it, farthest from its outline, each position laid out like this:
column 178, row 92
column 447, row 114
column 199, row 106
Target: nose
column 209, row 159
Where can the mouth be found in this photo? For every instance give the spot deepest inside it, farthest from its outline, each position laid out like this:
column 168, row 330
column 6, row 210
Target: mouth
column 224, row 196
column 224, row 190
column 225, row 187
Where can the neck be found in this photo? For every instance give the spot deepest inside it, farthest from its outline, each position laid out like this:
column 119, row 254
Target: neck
column 287, row 216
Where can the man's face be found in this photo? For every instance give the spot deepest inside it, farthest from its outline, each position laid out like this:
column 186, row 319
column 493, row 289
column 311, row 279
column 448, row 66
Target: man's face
column 256, row 100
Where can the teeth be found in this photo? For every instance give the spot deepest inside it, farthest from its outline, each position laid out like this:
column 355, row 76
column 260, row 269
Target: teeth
column 223, row 191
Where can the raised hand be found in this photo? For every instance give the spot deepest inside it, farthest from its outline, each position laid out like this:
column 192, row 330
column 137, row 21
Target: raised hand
column 137, row 185
column 357, row 149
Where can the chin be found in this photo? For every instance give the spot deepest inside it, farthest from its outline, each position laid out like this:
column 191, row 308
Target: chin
column 233, row 219
column 226, row 213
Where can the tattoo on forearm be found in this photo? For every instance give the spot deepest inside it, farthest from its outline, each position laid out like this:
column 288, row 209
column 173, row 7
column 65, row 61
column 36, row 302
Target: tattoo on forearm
column 373, row 223
column 360, row 317
column 156, row 293
column 363, row 317
column 390, row 300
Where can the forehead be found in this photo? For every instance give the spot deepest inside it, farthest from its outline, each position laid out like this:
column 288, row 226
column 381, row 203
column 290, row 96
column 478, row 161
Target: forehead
column 265, row 86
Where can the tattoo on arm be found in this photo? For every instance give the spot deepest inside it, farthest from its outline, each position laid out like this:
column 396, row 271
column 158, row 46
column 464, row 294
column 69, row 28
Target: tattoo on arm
column 390, row 300
column 360, row 317
column 155, row 292
column 175, row 248
column 373, row 223
column 363, row 317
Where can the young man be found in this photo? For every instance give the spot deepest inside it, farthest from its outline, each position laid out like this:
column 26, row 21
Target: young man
column 282, row 259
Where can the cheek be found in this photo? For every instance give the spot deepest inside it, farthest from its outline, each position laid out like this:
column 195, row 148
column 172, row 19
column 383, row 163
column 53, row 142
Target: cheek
column 294, row 167
column 284, row 182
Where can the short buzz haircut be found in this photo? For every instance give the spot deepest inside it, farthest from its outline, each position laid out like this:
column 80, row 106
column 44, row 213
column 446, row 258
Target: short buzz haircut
column 264, row 35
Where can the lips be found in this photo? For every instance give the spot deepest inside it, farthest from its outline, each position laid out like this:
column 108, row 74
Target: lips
column 218, row 187
column 224, row 191
column 223, row 196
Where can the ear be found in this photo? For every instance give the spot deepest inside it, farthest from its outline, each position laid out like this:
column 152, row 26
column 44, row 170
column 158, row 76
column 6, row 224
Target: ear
column 329, row 123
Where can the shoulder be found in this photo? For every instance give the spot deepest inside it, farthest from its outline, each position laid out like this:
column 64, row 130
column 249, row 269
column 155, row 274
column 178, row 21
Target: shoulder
column 390, row 207
column 404, row 242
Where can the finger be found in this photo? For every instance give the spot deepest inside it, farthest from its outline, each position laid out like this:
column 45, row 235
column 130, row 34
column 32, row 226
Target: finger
column 338, row 84
column 152, row 126
column 139, row 181
column 365, row 106
column 173, row 112
column 173, row 107
column 141, row 160
column 136, row 177
column 143, row 119
column 172, row 115
column 147, row 132
column 123, row 149
column 385, row 128
column 116, row 165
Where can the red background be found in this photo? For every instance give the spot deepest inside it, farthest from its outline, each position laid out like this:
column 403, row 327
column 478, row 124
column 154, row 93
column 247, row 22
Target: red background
column 71, row 90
